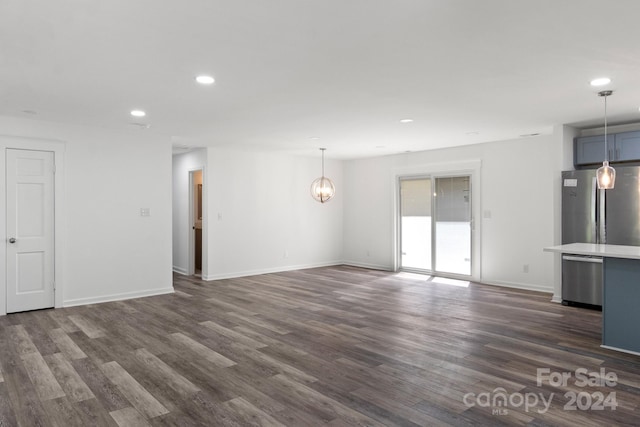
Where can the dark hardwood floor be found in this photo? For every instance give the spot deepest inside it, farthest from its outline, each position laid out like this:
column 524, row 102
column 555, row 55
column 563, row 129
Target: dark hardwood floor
column 329, row 346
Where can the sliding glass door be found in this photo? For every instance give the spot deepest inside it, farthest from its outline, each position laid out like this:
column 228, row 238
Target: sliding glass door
column 453, row 225
column 435, row 224
column 416, row 223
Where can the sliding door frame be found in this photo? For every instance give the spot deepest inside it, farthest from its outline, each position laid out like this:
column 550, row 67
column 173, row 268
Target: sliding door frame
column 470, row 168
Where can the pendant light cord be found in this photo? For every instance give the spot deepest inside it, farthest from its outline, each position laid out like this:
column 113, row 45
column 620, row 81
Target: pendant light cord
column 605, row 94
column 606, row 144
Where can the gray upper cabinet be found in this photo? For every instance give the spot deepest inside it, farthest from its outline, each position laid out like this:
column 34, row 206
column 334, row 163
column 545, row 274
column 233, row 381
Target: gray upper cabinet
column 627, row 146
column 623, row 147
column 589, row 150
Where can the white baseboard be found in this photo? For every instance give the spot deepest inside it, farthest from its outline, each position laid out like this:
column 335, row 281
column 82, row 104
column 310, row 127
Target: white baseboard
column 365, row 265
column 556, row 298
column 117, row 297
column 620, row 349
column 180, row 270
column 256, row 272
column 523, row 286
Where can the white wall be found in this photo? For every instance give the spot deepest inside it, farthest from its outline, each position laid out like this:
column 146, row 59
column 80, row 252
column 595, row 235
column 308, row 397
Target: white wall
column 368, row 212
column 517, row 190
column 182, row 165
column 110, row 251
column 262, row 218
column 261, row 215
column 563, row 136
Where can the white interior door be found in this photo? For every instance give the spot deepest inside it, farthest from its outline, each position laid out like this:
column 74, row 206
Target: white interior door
column 30, row 232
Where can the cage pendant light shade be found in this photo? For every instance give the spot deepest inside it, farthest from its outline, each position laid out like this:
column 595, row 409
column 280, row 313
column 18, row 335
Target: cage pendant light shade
column 605, row 175
column 322, row 189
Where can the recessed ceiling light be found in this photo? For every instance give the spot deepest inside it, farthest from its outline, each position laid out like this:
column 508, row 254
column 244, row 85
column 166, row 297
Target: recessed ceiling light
column 205, row 80
column 406, row 120
column 138, row 113
column 601, row 81
column 314, row 137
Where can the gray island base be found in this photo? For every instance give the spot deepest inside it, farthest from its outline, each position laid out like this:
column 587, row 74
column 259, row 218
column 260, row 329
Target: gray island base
column 621, row 292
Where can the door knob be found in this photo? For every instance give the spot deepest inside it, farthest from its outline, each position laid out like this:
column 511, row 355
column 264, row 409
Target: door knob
column 12, row 240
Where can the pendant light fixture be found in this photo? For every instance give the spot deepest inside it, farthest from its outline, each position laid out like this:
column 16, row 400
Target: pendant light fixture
column 322, row 189
column 606, row 175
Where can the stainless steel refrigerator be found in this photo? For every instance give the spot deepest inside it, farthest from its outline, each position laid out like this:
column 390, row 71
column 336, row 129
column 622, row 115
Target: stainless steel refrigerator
column 590, row 215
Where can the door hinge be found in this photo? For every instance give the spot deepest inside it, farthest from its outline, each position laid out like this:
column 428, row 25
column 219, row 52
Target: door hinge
column 54, row 286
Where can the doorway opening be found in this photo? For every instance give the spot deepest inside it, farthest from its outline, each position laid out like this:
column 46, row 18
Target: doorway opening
column 436, row 225
column 195, row 222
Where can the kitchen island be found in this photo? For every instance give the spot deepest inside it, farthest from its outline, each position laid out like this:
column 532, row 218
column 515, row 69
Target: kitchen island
column 621, row 292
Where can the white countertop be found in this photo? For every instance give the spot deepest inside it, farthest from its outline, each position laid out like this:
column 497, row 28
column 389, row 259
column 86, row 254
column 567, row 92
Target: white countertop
column 608, row 251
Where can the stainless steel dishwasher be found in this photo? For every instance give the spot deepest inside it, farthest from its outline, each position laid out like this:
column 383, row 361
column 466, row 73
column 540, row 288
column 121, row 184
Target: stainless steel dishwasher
column 581, row 279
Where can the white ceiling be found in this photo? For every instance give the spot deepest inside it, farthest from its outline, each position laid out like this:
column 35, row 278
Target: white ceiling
column 345, row 71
